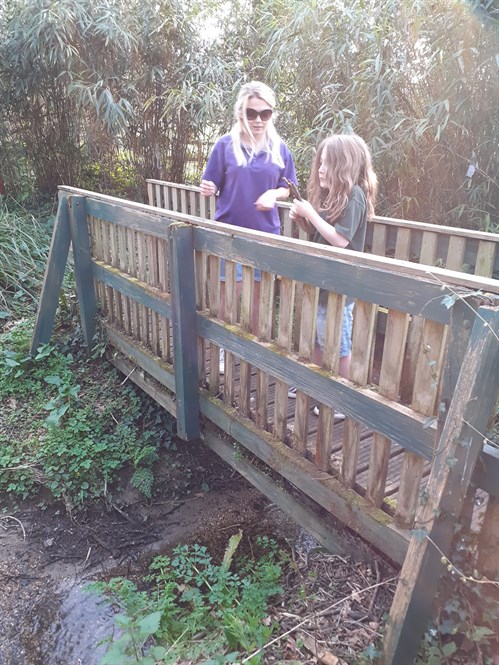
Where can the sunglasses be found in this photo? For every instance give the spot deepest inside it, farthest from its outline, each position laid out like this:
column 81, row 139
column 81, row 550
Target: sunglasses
column 252, row 114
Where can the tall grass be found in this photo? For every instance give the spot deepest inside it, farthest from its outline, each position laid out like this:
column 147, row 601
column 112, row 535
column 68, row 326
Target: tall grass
column 24, row 246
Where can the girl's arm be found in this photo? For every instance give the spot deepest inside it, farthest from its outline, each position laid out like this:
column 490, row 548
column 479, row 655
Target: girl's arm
column 328, row 232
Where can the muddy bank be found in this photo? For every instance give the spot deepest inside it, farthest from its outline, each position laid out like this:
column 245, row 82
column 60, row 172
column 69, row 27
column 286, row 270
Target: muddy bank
column 48, row 557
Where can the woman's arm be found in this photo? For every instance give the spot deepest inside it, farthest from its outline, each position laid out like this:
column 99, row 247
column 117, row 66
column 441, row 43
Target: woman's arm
column 268, row 199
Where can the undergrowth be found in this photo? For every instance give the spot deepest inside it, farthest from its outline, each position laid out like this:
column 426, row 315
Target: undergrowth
column 69, row 426
column 194, row 609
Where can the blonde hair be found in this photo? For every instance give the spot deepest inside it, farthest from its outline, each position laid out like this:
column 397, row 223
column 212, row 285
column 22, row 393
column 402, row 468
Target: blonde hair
column 348, row 162
column 272, row 140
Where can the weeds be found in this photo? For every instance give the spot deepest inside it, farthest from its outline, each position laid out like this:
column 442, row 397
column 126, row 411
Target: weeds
column 71, row 431
column 195, row 608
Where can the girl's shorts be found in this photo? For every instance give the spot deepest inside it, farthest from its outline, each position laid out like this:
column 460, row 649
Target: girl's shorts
column 346, row 328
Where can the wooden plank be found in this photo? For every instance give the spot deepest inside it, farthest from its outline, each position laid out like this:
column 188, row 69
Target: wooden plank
column 362, row 341
column 147, row 296
column 143, row 381
column 84, row 277
column 396, row 422
column 310, row 296
column 246, row 326
column 461, row 442
column 52, row 280
column 426, row 385
column 155, row 367
column 332, row 343
column 214, row 307
column 403, row 244
column 488, row 542
column 389, row 385
column 265, row 316
column 379, row 239
column 183, row 291
column 122, row 265
column 428, row 248
column 106, row 231
column 133, row 271
column 142, row 217
column 230, row 316
column 485, row 257
column 455, row 253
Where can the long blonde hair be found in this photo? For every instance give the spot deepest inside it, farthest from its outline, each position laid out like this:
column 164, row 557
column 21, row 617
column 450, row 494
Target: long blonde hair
column 348, row 162
column 272, row 141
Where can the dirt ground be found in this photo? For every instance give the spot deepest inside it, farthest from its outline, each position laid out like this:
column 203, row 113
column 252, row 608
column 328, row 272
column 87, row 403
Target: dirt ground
column 47, row 556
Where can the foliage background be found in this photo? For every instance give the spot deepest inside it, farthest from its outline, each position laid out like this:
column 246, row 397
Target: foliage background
column 103, row 94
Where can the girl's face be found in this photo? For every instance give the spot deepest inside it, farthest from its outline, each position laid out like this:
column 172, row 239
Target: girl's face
column 258, row 114
column 323, row 171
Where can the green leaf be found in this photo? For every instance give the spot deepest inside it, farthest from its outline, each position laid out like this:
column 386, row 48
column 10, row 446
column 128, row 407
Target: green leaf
column 231, row 549
column 150, row 623
column 53, row 380
column 449, row 649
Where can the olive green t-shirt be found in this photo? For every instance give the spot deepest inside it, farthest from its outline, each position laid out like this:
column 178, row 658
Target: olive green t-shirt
column 352, row 223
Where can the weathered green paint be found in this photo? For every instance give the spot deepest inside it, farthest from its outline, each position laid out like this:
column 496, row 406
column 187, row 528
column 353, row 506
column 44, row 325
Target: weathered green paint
column 185, row 351
column 82, row 257
column 152, row 224
column 396, row 422
column 459, row 446
column 52, row 281
column 395, row 290
column 154, row 366
column 133, row 288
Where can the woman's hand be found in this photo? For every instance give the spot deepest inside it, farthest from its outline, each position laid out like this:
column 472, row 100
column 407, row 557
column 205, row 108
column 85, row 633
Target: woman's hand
column 267, row 200
column 301, row 209
column 208, row 188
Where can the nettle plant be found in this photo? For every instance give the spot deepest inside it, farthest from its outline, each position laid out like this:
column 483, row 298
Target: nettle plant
column 71, row 429
column 196, row 609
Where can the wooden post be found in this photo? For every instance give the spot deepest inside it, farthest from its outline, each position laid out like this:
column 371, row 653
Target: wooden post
column 457, row 451
column 185, row 354
column 82, row 256
column 52, row 281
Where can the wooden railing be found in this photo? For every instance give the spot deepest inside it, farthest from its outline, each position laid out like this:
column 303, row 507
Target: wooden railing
column 463, row 250
column 152, row 276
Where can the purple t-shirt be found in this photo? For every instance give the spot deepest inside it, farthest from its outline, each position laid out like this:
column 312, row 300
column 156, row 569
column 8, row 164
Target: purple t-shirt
column 240, row 186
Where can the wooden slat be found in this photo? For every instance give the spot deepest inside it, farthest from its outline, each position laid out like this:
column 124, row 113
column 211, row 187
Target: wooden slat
column 455, row 253
column 379, row 239
column 230, row 316
column 389, row 386
column 265, row 316
column 214, row 305
column 284, row 341
column 123, row 266
column 310, row 297
column 485, row 258
column 403, row 244
column 428, row 248
column 426, row 385
column 142, row 267
column 246, row 326
column 488, row 543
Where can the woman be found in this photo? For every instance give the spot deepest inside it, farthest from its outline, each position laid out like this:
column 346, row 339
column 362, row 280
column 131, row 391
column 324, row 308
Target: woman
column 247, row 169
column 247, row 166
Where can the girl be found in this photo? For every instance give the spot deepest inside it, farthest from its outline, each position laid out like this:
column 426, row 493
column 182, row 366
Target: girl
column 247, row 168
column 342, row 191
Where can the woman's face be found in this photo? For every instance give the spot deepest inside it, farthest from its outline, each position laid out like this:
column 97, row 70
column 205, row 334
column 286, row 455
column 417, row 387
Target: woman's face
column 323, row 170
column 255, row 109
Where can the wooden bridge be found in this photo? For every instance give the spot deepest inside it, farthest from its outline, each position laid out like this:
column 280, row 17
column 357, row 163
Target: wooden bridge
column 424, row 370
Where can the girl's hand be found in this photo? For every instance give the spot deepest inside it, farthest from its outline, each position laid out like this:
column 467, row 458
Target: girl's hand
column 208, row 188
column 301, row 209
column 267, row 200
